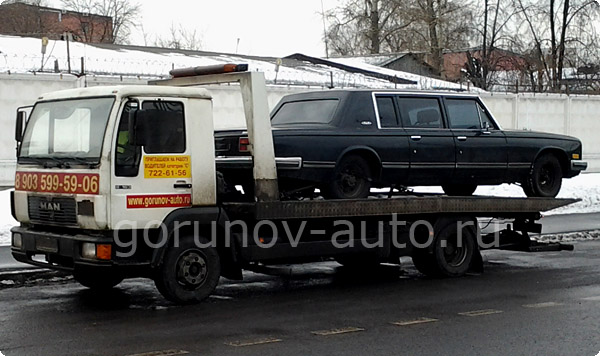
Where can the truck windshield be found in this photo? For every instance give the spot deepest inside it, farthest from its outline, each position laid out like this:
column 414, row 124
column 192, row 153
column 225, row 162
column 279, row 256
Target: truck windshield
column 66, row 131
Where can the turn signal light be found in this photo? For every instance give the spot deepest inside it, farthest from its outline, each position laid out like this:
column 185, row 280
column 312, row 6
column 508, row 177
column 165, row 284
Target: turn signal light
column 103, row 252
column 575, row 156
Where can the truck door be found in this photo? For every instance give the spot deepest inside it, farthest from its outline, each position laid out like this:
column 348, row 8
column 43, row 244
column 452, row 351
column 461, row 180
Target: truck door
column 432, row 157
column 149, row 182
column 481, row 149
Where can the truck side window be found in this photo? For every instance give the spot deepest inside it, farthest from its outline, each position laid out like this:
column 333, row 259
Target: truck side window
column 420, row 112
column 463, row 114
column 127, row 156
column 387, row 111
column 167, row 127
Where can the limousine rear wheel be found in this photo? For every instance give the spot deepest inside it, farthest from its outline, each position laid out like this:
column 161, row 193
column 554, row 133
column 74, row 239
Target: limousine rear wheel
column 352, row 179
column 545, row 179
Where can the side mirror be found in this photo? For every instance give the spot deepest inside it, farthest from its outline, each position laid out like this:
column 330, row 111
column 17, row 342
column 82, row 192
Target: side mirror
column 19, row 125
column 486, row 127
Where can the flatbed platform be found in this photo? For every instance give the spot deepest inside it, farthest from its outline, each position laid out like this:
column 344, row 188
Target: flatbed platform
column 480, row 206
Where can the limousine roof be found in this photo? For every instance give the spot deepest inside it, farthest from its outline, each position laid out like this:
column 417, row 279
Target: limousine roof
column 344, row 92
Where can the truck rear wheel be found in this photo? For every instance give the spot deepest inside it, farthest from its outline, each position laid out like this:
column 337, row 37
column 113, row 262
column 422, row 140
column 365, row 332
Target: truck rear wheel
column 97, row 279
column 188, row 274
column 450, row 256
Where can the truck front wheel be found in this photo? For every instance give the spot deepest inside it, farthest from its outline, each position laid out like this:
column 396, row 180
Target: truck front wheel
column 189, row 273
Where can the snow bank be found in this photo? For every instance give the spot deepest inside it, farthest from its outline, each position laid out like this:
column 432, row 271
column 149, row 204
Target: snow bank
column 585, row 187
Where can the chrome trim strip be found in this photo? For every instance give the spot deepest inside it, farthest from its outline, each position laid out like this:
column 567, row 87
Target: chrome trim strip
column 282, row 162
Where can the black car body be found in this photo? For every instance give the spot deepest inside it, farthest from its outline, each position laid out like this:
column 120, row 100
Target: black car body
column 347, row 141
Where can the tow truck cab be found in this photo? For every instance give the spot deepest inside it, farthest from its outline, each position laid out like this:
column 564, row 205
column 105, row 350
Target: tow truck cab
column 82, row 173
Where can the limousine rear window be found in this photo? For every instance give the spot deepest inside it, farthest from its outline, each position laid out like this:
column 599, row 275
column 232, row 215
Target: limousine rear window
column 305, row 112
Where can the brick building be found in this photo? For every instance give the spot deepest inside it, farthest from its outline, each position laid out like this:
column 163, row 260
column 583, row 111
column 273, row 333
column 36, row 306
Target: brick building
column 21, row 19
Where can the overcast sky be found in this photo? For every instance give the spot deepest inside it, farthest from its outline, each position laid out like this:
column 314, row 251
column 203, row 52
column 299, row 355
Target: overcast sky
column 264, row 27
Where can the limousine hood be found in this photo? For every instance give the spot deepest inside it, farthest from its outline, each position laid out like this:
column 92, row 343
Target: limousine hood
column 538, row 134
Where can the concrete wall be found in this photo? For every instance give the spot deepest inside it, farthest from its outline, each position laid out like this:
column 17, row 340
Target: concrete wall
column 573, row 115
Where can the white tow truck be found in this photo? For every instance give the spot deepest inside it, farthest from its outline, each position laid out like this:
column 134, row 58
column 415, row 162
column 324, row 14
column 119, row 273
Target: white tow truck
column 120, row 182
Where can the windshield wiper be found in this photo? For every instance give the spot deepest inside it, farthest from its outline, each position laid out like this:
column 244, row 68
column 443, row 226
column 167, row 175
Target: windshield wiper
column 81, row 160
column 45, row 161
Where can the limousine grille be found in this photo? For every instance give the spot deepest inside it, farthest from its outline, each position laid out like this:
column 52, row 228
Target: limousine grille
column 55, row 211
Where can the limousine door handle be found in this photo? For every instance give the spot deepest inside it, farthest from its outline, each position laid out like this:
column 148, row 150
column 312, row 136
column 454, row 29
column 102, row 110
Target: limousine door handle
column 182, row 185
column 415, row 138
column 462, row 138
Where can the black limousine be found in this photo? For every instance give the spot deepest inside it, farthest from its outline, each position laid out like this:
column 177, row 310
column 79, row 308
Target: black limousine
column 345, row 142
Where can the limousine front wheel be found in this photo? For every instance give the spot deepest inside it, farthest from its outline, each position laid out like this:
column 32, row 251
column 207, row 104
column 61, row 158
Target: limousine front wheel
column 545, row 178
column 352, row 179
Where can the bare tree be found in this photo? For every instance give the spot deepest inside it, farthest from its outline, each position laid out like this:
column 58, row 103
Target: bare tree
column 494, row 32
column 180, row 38
column 366, row 26
column 553, row 28
column 382, row 26
column 124, row 15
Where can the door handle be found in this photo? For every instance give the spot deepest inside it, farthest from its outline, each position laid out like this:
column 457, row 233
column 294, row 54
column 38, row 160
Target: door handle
column 182, row 185
column 462, row 138
column 415, row 138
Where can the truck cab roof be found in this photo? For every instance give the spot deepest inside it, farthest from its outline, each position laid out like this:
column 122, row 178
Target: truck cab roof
column 127, row 91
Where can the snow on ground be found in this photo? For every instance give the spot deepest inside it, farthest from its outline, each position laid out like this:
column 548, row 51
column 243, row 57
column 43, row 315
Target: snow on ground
column 585, row 187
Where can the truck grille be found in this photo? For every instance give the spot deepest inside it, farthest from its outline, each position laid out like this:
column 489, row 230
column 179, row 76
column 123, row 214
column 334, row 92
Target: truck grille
column 52, row 210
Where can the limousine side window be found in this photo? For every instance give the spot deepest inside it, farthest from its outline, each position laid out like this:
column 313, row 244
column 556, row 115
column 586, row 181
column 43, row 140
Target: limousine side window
column 420, row 112
column 319, row 111
column 463, row 114
column 387, row 111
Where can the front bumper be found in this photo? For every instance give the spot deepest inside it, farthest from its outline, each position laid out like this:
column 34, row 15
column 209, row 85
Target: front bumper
column 576, row 168
column 61, row 251
column 578, row 165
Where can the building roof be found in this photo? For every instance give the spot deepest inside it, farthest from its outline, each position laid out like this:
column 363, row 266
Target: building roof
column 22, row 55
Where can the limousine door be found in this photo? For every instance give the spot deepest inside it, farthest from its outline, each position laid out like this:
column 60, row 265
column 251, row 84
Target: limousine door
column 481, row 148
column 432, row 151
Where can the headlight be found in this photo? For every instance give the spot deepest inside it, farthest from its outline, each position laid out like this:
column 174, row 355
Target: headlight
column 88, row 250
column 17, row 240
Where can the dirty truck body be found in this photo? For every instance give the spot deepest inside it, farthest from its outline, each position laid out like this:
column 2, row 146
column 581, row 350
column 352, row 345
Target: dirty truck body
column 120, row 182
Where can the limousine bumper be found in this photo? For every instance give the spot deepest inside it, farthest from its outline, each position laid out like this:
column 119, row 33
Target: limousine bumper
column 246, row 162
column 576, row 168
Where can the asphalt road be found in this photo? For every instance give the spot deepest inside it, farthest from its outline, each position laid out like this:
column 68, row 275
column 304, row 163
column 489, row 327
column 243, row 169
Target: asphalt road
column 524, row 304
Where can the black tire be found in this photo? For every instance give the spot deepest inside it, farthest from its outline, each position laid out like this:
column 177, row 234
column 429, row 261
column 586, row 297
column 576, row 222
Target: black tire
column 352, row 179
column 447, row 258
column 188, row 273
column 463, row 190
column 545, row 178
column 97, row 279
